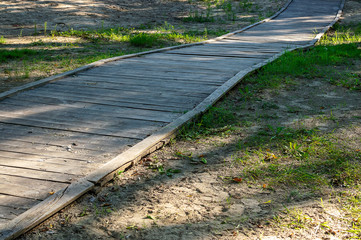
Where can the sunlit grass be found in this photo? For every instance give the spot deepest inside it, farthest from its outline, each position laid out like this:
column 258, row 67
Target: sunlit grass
column 159, row 36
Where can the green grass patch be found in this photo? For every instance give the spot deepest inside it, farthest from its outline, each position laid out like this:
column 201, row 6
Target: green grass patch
column 8, row 55
column 302, row 158
column 2, row 40
column 165, row 34
column 214, row 121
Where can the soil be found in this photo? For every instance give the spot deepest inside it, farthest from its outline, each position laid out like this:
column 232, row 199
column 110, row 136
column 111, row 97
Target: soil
column 197, row 202
column 25, row 17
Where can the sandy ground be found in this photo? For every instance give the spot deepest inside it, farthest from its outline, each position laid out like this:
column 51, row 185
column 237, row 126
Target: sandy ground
column 196, row 203
column 20, row 17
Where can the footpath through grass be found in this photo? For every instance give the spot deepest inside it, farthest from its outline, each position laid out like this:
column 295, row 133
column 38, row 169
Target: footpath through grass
column 48, row 51
column 63, row 51
column 307, row 153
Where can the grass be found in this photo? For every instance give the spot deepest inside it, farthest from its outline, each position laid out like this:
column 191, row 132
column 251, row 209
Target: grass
column 162, row 35
column 2, row 40
column 223, row 11
column 340, row 50
column 304, row 158
column 62, row 51
column 17, row 54
column 45, row 56
column 304, row 163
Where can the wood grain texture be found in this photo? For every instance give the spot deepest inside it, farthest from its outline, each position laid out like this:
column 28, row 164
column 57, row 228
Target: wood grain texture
column 125, row 109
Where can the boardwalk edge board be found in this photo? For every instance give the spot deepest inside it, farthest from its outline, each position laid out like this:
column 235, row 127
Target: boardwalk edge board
column 64, row 197
column 104, row 61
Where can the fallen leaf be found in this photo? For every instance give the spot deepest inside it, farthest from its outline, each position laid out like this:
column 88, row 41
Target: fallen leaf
column 101, row 199
column 106, row 205
column 264, row 186
column 236, row 179
column 51, row 192
column 270, row 156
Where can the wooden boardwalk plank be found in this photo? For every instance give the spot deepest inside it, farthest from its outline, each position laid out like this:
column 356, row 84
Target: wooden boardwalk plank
column 50, row 151
column 37, row 174
column 77, row 170
column 150, row 97
column 17, row 202
column 44, row 157
column 205, row 51
column 69, row 96
column 210, row 61
column 92, row 114
column 9, row 213
column 138, row 88
column 150, row 81
column 172, row 66
column 34, row 188
column 77, row 111
column 55, row 134
column 61, row 138
column 180, row 78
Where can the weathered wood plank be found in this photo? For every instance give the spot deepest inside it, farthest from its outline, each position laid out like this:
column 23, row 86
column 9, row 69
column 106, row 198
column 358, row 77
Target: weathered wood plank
column 138, row 88
column 45, row 209
column 150, row 81
column 221, row 52
column 152, row 97
column 175, row 73
column 50, row 151
column 189, row 86
column 35, row 189
column 61, row 138
column 249, row 44
column 180, row 67
column 183, row 64
column 60, row 143
column 110, row 145
column 211, row 61
column 17, row 202
column 24, row 171
column 38, row 143
column 180, row 63
column 134, row 92
column 262, row 39
column 259, row 48
column 55, row 98
column 43, row 157
column 44, row 166
column 87, row 113
column 52, row 113
column 3, row 222
column 93, row 96
column 196, row 78
column 10, row 212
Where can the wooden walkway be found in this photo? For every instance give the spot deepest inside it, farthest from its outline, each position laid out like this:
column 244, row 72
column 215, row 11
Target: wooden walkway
column 62, row 133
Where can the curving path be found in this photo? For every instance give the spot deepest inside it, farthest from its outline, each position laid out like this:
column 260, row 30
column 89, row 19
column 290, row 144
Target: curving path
column 62, row 139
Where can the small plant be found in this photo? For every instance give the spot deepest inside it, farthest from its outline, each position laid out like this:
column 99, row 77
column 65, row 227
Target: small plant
column 7, row 55
column 45, row 27
column 35, row 29
column 38, row 43
column 245, row 5
column 2, row 40
column 199, row 17
column 144, row 39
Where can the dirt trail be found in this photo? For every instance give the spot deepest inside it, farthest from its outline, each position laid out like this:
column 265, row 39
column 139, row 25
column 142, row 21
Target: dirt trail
column 175, row 194
column 20, row 17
